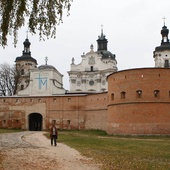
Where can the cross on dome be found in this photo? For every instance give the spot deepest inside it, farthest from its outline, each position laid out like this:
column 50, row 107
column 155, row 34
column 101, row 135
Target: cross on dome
column 46, row 59
column 164, row 20
column 101, row 29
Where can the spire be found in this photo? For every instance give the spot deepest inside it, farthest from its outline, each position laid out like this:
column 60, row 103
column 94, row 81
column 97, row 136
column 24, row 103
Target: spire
column 46, row 59
column 164, row 33
column 27, row 34
column 102, row 31
column 26, row 46
column 91, row 47
column 102, row 41
column 164, row 20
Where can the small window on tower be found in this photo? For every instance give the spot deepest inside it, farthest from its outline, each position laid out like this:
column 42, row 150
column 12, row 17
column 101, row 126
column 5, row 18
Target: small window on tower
column 22, row 71
column 139, row 93
column 22, row 87
column 112, row 96
column 91, row 69
column 123, row 95
column 166, row 65
column 156, row 93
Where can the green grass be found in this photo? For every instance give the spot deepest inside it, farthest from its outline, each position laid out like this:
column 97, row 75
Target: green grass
column 10, row 130
column 117, row 152
column 121, row 152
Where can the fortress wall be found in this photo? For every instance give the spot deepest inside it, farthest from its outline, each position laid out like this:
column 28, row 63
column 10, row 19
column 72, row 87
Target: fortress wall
column 120, row 111
column 68, row 111
column 96, row 111
column 147, row 113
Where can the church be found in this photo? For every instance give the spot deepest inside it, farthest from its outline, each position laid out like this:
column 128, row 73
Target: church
column 133, row 101
column 91, row 74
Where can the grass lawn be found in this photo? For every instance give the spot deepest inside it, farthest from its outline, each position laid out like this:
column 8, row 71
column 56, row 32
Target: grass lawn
column 121, row 152
column 10, row 130
column 118, row 152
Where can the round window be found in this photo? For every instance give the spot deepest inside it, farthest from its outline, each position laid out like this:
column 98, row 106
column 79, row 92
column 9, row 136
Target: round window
column 91, row 82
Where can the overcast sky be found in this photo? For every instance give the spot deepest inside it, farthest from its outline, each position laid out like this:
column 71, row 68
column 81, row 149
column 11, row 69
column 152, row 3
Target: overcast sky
column 132, row 28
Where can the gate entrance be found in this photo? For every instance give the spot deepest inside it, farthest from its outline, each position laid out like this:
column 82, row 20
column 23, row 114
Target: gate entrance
column 35, row 122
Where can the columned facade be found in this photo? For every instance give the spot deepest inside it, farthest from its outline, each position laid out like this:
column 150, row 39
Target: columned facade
column 91, row 74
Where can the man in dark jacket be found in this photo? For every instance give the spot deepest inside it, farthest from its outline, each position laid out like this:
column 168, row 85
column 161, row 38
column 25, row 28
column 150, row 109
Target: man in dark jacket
column 53, row 135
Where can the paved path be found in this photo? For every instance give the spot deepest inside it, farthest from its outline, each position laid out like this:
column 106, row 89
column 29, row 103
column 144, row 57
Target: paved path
column 32, row 150
column 14, row 140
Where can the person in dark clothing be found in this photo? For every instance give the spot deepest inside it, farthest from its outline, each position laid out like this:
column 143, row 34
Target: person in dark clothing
column 53, row 135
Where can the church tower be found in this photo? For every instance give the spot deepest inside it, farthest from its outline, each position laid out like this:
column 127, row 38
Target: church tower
column 23, row 65
column 91, row 74
column 161, row 54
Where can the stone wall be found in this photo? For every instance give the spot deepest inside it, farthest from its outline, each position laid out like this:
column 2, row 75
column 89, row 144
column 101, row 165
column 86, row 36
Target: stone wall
column 139, row 101
column 67, row 111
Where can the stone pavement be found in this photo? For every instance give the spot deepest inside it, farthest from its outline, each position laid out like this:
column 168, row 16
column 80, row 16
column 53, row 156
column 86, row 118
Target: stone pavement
column 14, row 140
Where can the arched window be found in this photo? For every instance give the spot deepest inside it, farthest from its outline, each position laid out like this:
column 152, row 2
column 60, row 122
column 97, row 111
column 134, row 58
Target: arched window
column 139, row 93
column 156, row 93
column 112, row 96
column 22, row 71
column 123, row 95
column 22, row 87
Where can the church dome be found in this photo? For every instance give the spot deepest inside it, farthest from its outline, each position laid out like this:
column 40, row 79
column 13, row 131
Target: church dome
column 106, row 54
column 26, row 43
column 45, row 66
column 102, row 47
column 164, row 31
column 26, row 54
column 165, row 44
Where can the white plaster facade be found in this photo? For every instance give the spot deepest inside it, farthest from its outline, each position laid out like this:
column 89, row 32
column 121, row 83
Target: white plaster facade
column 161, row 57
column 162, row 53
column 91, row 74
column 24, row 64
column 44, row 81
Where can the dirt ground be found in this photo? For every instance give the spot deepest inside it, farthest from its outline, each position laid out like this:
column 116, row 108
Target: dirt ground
column 42, row 156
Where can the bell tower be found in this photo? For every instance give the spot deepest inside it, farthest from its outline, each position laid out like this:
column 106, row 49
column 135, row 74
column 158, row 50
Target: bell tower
column 161, row 54
column 23, row 65
column 102, row 41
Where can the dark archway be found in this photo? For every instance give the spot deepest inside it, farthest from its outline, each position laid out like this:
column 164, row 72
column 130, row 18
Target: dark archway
column 35, row 122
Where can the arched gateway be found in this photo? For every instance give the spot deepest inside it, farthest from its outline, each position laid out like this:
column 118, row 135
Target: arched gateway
column 35, row 122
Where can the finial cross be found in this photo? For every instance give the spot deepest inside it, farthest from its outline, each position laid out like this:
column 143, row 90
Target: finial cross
column 46, row 59
column 164, row 19
column 102, row 28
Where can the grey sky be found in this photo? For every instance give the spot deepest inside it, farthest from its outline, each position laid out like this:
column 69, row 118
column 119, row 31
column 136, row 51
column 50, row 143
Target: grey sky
column 132, row 28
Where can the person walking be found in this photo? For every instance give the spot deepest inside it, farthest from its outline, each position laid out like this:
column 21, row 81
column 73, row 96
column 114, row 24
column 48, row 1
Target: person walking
column 53, row 135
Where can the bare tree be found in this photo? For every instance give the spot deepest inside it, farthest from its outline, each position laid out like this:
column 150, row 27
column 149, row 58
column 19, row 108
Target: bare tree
column 39, row 15
column 8, row 80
